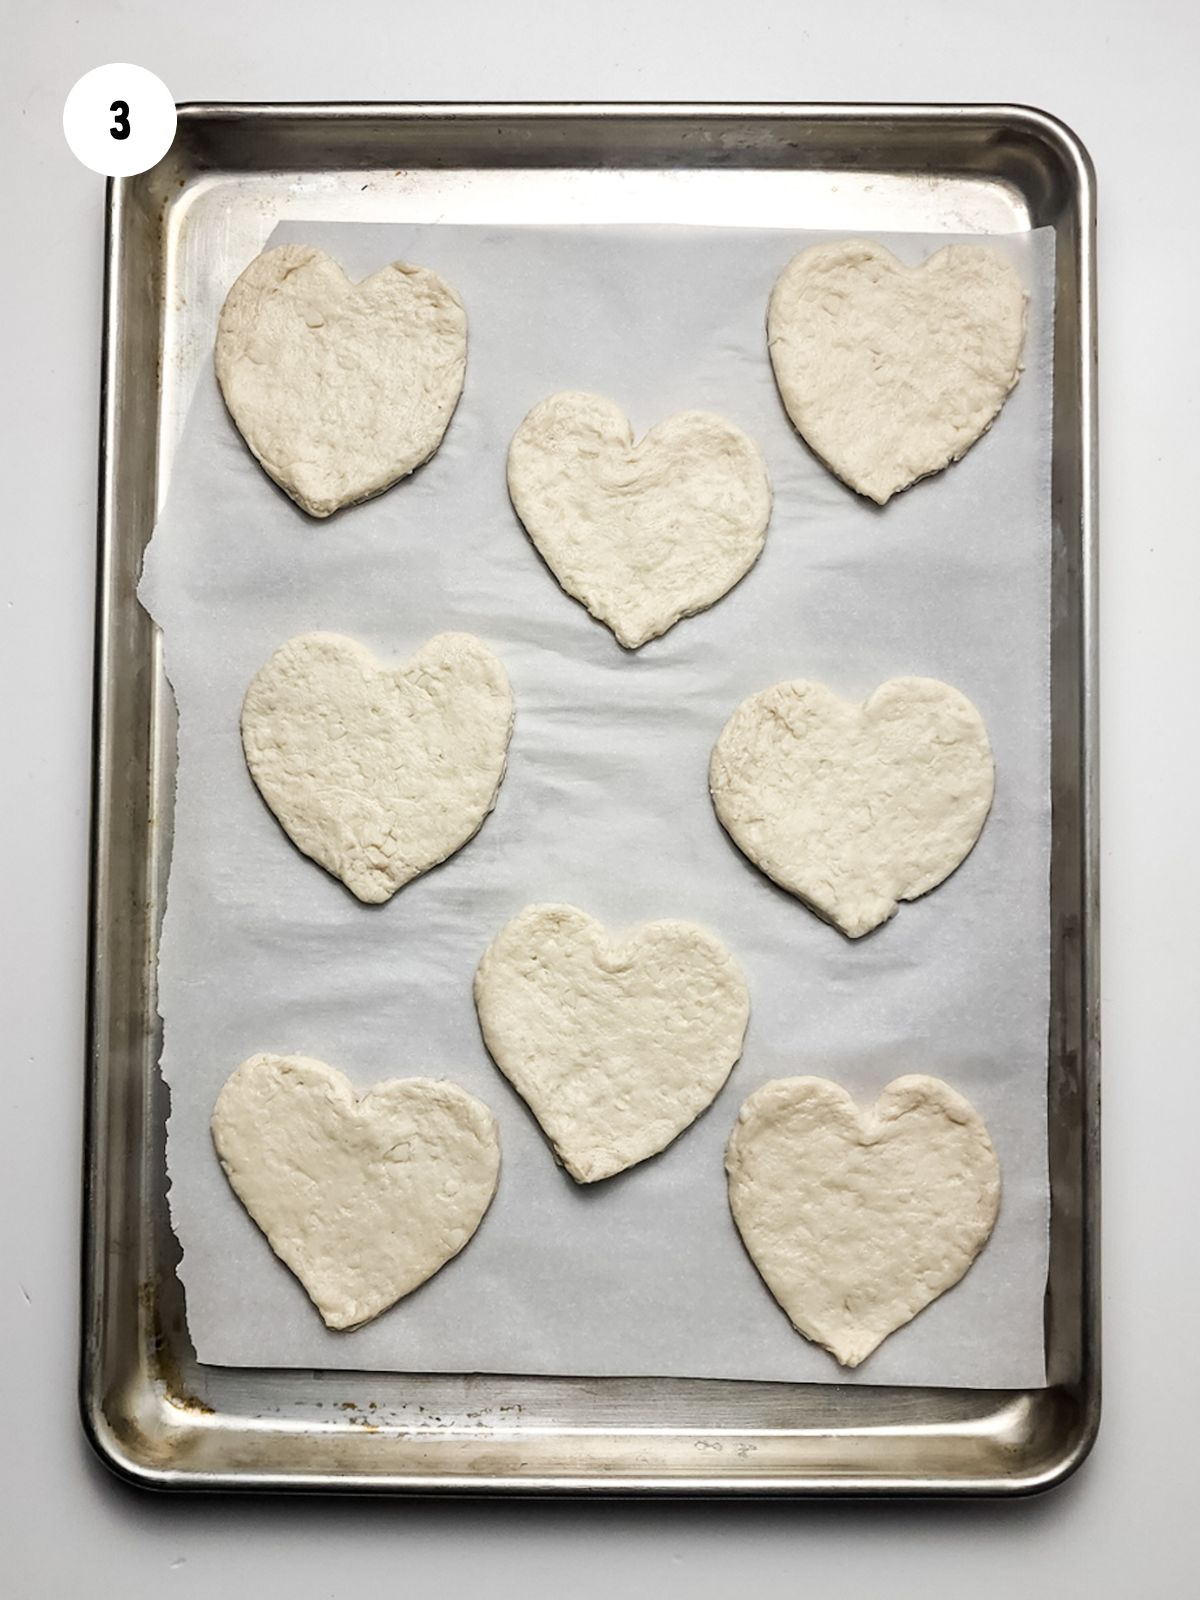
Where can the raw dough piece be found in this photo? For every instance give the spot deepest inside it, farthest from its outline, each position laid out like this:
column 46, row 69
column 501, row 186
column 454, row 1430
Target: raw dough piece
column 363, row 1198
column 616, row 1048
column 378, row 772
column 857, row 1221
column 339, row 388
column 645, row 533
column 892, row 372
column 854, row 808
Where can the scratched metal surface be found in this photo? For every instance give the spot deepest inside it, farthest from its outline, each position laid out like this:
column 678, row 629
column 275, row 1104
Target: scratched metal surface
column 175, row 236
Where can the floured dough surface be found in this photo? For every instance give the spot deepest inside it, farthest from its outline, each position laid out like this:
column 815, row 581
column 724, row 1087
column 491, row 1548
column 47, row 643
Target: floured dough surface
column 364, row 1197
column 616, row 1046
column 854, row 807
column 858, row 1220
column 646, row 532
column 892, row 372
column 378, row 772
column 339, row 388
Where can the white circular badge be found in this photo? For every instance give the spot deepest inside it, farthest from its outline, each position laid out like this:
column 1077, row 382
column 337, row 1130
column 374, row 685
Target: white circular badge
column 119, row 119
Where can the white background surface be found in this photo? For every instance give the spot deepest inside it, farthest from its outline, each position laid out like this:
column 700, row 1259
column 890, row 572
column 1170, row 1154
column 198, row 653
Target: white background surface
column 1122, row 76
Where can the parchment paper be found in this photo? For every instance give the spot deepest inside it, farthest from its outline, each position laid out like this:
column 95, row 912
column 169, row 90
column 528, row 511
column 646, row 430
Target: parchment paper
column 605, row 805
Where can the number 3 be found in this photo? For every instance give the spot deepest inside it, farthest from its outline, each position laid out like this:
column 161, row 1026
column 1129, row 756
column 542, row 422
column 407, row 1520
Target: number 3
column 120, row 127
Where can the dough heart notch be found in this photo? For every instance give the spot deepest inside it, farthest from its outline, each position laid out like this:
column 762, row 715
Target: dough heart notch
column 378, row 772
column 615, row 1047
column 857, row 1221
column 642, row 533
column 364, row 1197
column 892, row 372
column 854, row 808
column 339, row 388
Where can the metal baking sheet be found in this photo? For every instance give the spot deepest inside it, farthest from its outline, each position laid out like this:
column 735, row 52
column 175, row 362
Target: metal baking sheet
column 175, row 234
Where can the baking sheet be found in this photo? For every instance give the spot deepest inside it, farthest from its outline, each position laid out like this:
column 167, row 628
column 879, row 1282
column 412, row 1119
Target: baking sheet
column 605, row 805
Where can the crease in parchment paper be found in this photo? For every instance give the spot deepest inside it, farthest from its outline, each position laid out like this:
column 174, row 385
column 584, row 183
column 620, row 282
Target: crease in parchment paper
column 605, row 806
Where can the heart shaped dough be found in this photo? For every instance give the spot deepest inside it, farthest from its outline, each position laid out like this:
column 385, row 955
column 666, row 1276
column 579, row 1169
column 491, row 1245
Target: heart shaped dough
column 339, row 388
column 377, row 772
column 363, row 1198
column 615, row 1048
column 892, row 372
column 643, row 534
column 857, row 1221
column 854, row 808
